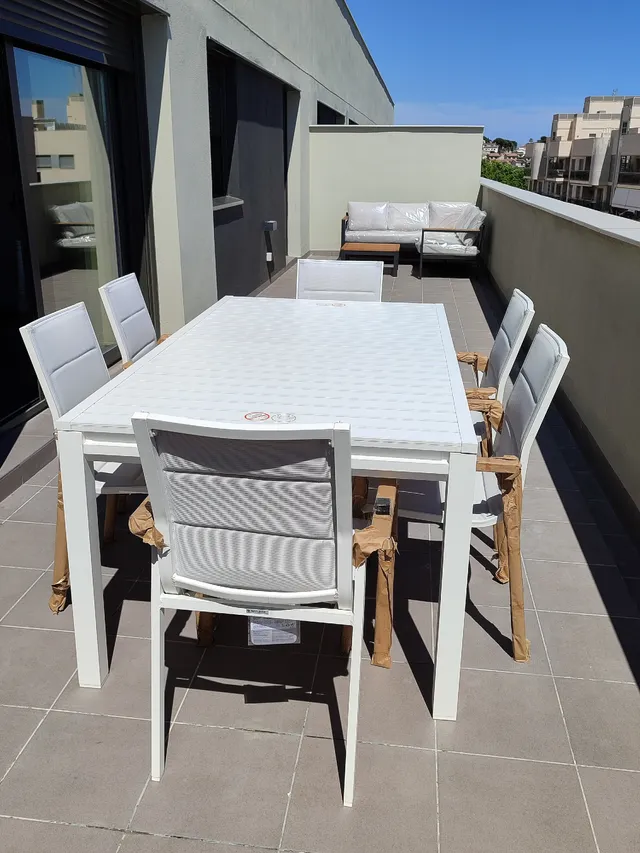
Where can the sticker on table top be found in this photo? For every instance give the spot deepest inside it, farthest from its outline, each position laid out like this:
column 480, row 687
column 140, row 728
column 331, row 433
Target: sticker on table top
column 256, row 416
column 283, row 417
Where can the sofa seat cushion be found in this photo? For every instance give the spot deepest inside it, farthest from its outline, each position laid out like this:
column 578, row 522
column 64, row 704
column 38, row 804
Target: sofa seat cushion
column 408, row 217
column 367, row 215
column 444, row 243
column 405, row 238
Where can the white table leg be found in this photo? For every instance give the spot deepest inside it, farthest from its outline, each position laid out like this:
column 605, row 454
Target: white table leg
column 85, row 567
column 453, row 588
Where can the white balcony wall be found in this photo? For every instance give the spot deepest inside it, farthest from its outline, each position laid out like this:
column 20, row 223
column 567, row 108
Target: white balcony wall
column 401, row 164
column 580, row 267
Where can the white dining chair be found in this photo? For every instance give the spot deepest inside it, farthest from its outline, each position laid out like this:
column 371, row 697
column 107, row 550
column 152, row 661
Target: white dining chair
column 69, row 365
column 255, row 519
column 524, row 413
column 349, row 281
column 129, row 317
column 507, row 344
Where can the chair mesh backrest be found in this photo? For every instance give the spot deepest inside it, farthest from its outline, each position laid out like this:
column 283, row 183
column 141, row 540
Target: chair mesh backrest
column 509, row 339
column 129, row 317
column 67, row 357
column 532, row 394
column 250, row 514
column 343, row 280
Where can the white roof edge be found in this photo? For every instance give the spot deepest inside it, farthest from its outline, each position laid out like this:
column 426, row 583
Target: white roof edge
column 604, row 223
column 364, row 128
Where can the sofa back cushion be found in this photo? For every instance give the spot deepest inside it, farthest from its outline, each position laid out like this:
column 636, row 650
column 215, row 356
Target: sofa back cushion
column 367, row 215
column 448, row 214
column 78, row 213
column 408, row 217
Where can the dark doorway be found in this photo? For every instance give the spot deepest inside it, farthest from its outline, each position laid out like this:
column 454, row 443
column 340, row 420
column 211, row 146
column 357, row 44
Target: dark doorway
column 249, row 153
column 17, row 293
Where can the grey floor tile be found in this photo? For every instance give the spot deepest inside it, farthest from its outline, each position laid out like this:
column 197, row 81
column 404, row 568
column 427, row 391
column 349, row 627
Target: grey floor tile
column 393, row 809
column 27, row 836
column 613, row 797
column 259, row 689
column 16, row 725
column 552, row 472
column 39, row 425
column 127, row 690
column 394, row 703
column 34, row 665
column 488, row 644
column 137, row 843
column 564, row 543
column 24, row 447
column 27, row 545
column 16, row 499
column 493, row 805
column 42, row 507
column 592, row 646
column 13, row 584
column 80, row 769
column 553, row 505
column 603, row 721
column 221, row 785
column 578, row 588
column 507, row 714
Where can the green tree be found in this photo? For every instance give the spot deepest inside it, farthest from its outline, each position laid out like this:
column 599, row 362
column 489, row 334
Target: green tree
column 542, row 139
column 505, row 144
column 486, row 140
column 505, row 173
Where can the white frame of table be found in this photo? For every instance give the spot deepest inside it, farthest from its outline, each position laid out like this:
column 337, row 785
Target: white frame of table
column 82, row 444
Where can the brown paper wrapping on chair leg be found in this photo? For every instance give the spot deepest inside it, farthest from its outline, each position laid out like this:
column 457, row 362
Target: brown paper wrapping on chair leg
column 512, row 513
column 60, row 585
column 477, row 360
column 383, row 636
column 500, row 541
column 346, row 641
column 359, row 495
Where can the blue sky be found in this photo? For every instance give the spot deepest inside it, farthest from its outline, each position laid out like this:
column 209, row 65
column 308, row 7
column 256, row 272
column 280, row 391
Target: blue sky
column 504, row 65
column 48, row 79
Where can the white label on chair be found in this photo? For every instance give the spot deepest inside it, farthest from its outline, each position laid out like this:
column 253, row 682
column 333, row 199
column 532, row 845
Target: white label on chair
column 283, row 418
column 264, row 631
column 256, row 416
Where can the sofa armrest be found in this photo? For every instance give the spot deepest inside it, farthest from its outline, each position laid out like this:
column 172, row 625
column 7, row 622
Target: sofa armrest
column 343, row 229
column 454, row 230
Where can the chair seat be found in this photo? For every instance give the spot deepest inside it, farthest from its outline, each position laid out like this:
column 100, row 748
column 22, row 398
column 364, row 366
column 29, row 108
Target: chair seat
column 423, row 500
column 119, row 478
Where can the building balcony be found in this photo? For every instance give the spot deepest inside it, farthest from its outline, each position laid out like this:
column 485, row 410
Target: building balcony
column 580, row 175
column 557, row 173
column 626, row 178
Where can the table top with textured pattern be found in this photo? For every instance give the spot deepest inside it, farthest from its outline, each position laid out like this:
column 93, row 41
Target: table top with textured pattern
column 388, row 369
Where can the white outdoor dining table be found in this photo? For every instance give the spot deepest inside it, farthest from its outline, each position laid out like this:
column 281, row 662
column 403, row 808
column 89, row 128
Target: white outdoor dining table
column 387, row 369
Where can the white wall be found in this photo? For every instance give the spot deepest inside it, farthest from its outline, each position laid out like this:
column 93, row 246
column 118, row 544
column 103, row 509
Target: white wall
column 580, row 268
column 401, row 164
column 313, row 46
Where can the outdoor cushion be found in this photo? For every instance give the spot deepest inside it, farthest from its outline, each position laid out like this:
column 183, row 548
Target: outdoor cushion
column 408, row 217
column 444, row 243
column 367, row 215
column 448, row 214
column 404, row 237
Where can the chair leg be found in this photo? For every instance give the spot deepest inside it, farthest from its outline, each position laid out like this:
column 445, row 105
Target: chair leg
column 60, row 586
column 500, row 542
column 110, row 513
column 157, row 680
column 354, row 687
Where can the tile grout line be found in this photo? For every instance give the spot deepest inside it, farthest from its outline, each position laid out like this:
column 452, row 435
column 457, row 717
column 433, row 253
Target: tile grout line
column 304, row 725
column 564, row 721
column 32, row 735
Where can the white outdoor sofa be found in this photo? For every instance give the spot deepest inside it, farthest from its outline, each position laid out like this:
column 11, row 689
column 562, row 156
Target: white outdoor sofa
column 439, row 229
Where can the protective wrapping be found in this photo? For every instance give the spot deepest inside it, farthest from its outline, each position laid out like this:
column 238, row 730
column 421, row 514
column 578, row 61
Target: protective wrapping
column 368, row 215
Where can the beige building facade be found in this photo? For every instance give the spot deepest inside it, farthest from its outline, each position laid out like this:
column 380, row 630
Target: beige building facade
column 581, row 160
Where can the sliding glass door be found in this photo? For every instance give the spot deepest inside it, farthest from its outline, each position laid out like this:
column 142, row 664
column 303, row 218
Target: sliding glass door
column 66, row 157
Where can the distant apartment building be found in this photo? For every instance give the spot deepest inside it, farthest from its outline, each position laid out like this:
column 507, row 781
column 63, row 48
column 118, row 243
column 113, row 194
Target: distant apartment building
column 582, row 158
